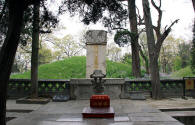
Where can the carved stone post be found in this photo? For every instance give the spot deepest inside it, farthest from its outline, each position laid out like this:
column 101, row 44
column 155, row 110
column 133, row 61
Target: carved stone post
column 96, row 41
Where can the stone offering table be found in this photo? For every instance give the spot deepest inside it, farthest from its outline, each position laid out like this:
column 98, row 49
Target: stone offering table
column 99, row 103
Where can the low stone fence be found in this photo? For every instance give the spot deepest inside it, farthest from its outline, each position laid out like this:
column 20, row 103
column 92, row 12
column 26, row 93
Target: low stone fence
column 82, row 88
column 169, row 87
column 22, row 87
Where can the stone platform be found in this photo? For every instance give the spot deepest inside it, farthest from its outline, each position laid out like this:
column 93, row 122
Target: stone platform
column 89, row 112
column 99, row 107
column 127, row 112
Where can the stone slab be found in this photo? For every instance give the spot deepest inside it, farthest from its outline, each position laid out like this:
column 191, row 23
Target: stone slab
column 12, row 105
column 66, row 119
column 122, row 123
column 181, row 113
column 26, row 100
column 152, row 119
column 121, row 118
column 89, row 112
column 60, row 98
column 137, row 96
column 156, row 123
column 95, row 59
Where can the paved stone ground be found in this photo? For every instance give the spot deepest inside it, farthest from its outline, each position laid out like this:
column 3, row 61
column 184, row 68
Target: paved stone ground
column 128, row 112
column 20, row 110
column 182, row 107
column 172, row 103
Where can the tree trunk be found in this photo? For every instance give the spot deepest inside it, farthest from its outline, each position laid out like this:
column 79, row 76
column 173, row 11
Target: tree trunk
column 134, row 44
column 8, row 50
column 153, row 57
column 35, row 50
column 145, row 60
column 193, row 2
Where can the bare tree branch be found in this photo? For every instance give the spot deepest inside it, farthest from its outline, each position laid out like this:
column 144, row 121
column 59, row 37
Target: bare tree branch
column 163, row 37
column 158, row 8
column 140, row 19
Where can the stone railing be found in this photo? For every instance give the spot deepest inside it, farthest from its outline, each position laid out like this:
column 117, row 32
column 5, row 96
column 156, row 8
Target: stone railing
column 83, row 89
column 169, row 87
column 22, row 87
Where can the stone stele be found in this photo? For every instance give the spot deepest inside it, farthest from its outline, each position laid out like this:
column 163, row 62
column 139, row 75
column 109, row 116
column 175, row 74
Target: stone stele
column 96, row 41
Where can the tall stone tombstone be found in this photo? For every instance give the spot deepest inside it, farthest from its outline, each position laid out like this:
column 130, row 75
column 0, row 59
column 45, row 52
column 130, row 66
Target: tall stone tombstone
column 96, row 41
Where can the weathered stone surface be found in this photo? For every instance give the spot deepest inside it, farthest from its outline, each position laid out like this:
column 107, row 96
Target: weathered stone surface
column 28, row 100
column 89, row 112
column 96, row 41
column 69, row 113
column 61, row 98
column 137, row 96
column 96, row 59
column 96, row 37
column 83, row 89
column 121, row 118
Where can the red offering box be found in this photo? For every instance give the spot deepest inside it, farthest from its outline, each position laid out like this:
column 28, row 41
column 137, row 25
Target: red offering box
column 99, row 101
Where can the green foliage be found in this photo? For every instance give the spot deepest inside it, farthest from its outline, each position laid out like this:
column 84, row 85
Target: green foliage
column 66, row 46
column 75, row 67
column 45, row 55
column 91, row 11
column 185, row 72
column 184, row 53
column 177, row 63
column 193, row 51
column 124, row 37
column 127, row 59
column 118, row 70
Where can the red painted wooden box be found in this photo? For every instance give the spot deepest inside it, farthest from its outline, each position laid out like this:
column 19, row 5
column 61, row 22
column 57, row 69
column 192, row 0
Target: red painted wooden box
column 99, row 101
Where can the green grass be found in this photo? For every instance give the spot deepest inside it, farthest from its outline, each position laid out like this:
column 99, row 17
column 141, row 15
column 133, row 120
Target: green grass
column 185, row 72
column 75, row 67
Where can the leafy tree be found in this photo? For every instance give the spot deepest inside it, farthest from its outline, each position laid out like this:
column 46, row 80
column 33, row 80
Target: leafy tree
column 169, row 51
column 127, row 58
column 35, row 49
column 23, row 57
column 12, row 30
column 177, row 63
column 92, row 11
column 67, row 46
column 134, row 37
column 184, row 53
column 134, row 44
column 124, row 37
column 8, row 50
column 45, row 55
column 41, row 23
column 113, row 53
